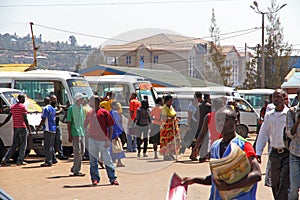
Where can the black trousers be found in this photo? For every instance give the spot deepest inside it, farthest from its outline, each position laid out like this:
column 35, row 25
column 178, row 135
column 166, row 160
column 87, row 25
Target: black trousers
column 280, row 174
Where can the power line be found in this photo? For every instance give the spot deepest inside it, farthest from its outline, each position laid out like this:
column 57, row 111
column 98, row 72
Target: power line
column 250, row 30
column 111, row 4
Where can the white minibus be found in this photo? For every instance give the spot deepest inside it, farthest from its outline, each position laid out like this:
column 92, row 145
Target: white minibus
column 38, row 84
column 122, row 86
column 256, row 97
column 8, row 97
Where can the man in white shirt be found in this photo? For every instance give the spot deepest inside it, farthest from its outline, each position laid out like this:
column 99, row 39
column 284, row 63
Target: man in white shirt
column 273, row 128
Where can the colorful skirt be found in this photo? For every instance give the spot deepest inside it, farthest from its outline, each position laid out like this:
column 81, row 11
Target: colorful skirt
column 169, row 138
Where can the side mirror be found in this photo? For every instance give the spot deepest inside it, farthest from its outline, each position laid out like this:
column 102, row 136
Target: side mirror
column 5, row 109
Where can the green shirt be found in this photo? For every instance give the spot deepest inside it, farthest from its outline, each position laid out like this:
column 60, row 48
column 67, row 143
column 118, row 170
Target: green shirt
column 76, row 118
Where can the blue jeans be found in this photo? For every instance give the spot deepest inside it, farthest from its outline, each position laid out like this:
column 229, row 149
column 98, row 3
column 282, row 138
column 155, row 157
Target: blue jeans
column 294, row 176
column 19, row 141
column 131, row 143
column 49, row 138
column 96, row 147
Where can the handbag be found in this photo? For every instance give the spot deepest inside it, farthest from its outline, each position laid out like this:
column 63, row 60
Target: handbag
column 117, row 145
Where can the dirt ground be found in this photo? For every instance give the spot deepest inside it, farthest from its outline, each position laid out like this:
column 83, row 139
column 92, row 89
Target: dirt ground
column 141, row 178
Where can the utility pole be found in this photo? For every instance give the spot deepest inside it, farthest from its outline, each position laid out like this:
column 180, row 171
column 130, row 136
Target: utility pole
column 256, row 9
column 35, row 48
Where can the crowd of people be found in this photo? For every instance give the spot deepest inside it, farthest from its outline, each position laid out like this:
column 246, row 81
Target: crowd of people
column 94, row 124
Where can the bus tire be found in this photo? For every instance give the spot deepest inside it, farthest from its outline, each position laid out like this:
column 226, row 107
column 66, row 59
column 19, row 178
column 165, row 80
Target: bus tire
column 2, row 150
column 40, row 152
column 67, row 151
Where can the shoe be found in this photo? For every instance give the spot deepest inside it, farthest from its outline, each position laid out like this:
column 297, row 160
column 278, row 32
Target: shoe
column 95, row 182
column 201, row 160
column 85, row 158
column 139, row 155
column 193, row 158
column 46, row 164
column 62, row 157
column 155, row 157
column 101, row 165
column 78, row 174
column 120, row 165
column 115, row 182
column 54, row 161
column 4, row 163
column 72, row 170
column 21, row 163
column 145, row 155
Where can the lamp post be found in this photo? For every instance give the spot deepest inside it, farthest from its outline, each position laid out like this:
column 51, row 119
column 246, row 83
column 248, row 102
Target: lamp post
column 256, row 9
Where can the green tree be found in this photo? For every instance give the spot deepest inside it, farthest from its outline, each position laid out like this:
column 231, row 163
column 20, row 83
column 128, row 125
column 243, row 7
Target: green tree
column 251, row 75
column 214, row 29
column 277, row 52
column 217, row 57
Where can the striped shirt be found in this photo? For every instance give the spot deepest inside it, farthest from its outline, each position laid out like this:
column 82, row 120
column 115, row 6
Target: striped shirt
column 17, row 111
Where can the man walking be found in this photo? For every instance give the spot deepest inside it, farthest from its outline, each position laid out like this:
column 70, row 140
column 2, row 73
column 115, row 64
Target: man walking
column 226, row 119
column 100, row 123
column 20, row 123
column 49, row 127
column 273, row 128
column 75, row 120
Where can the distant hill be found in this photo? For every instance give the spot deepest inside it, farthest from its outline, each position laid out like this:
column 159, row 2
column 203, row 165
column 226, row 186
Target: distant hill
column 50, row 55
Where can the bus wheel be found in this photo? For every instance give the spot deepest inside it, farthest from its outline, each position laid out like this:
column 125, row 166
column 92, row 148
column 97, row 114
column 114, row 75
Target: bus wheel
column 2, row 150
column 242, row 131
column 40, row 152
column 68, row 151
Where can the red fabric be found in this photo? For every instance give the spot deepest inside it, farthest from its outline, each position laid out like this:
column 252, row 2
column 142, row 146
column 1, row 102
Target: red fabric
column 133, row 106
column 249, row 150
column 17, row 111
column 213, row 133
column 98, row 123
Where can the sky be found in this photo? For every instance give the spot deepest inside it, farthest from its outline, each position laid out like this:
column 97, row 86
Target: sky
column 101, row 22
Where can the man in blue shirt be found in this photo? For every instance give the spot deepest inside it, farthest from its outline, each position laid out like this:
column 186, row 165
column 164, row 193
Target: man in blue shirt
column 49, row 127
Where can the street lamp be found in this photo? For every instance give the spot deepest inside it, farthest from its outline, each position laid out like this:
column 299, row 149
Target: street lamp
column 256, row 9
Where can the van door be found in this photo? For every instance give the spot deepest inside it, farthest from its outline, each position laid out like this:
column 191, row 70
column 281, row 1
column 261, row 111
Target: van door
column 6, row 131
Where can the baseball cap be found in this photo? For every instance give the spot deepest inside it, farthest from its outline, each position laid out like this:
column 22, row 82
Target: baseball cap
column 79, row 96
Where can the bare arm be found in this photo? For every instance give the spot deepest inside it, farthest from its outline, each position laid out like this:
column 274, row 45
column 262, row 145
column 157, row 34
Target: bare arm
column 202, row 181
column 26, row 123
column 69, row 131
column 41, row 124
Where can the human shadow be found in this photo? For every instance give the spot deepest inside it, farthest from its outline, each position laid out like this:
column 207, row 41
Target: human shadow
column 85, row 185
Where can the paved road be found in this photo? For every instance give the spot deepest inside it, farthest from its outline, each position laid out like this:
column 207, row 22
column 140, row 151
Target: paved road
column 141, row 178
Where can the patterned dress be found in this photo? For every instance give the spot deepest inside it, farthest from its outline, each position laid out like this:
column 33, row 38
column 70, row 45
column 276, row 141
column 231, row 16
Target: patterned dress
column 169, row 129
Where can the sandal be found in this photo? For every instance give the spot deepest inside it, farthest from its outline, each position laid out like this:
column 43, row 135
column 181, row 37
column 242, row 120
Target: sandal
column 120, row 165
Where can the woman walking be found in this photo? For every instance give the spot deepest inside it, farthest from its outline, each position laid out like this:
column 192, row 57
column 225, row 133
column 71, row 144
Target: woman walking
column 156, row 124
column 169, row 133
column 117, row 132
column 143, row 121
